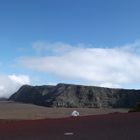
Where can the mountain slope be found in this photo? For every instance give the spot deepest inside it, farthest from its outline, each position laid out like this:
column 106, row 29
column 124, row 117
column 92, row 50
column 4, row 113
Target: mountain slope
column 68, row 95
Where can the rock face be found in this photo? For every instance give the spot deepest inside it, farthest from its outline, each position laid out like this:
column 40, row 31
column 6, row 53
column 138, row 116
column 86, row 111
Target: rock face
column 67, row 95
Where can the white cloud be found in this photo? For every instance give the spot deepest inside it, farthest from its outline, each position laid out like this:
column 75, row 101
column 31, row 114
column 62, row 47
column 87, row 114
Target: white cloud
column 118, row 65
column 109, row 85
column 52, row 48
column 20, row 79
column 1, row 88
column 11, row 83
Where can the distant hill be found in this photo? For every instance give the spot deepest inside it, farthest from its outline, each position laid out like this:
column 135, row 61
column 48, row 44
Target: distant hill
column 68, row 95
column 3, row 99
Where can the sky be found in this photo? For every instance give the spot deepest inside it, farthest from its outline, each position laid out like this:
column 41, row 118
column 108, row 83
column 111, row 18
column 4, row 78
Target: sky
column 89, row 42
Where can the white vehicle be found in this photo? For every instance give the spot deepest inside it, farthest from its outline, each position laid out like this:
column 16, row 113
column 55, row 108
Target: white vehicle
column 75, row 113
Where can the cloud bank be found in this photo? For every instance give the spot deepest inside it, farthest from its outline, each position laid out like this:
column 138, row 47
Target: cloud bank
column 110, row 67
column 11, row 83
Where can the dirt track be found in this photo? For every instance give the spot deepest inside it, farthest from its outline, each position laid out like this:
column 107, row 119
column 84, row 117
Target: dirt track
column 99, row 127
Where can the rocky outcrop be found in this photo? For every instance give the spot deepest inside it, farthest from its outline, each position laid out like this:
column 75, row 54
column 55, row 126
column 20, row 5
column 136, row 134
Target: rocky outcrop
column 68, row 95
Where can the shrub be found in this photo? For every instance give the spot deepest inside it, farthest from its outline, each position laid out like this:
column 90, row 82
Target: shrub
column 136, row 108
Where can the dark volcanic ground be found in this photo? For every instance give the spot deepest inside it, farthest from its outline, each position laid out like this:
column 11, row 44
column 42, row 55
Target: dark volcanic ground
column 115, row 126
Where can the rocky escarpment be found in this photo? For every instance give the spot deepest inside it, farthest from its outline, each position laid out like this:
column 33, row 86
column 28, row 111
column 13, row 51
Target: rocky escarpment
column 68, row 95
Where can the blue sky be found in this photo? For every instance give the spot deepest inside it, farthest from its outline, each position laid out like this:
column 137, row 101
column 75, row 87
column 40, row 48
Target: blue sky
column 50, row 31
column 107, row 23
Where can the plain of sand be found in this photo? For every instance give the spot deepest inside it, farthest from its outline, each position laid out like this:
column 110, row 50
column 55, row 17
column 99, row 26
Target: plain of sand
column 20, row 111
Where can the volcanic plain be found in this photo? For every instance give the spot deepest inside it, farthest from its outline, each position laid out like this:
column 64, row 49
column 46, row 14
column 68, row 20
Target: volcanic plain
column 30, row 122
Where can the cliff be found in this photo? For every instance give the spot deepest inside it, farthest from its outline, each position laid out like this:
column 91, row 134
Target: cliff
column 68, row 95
